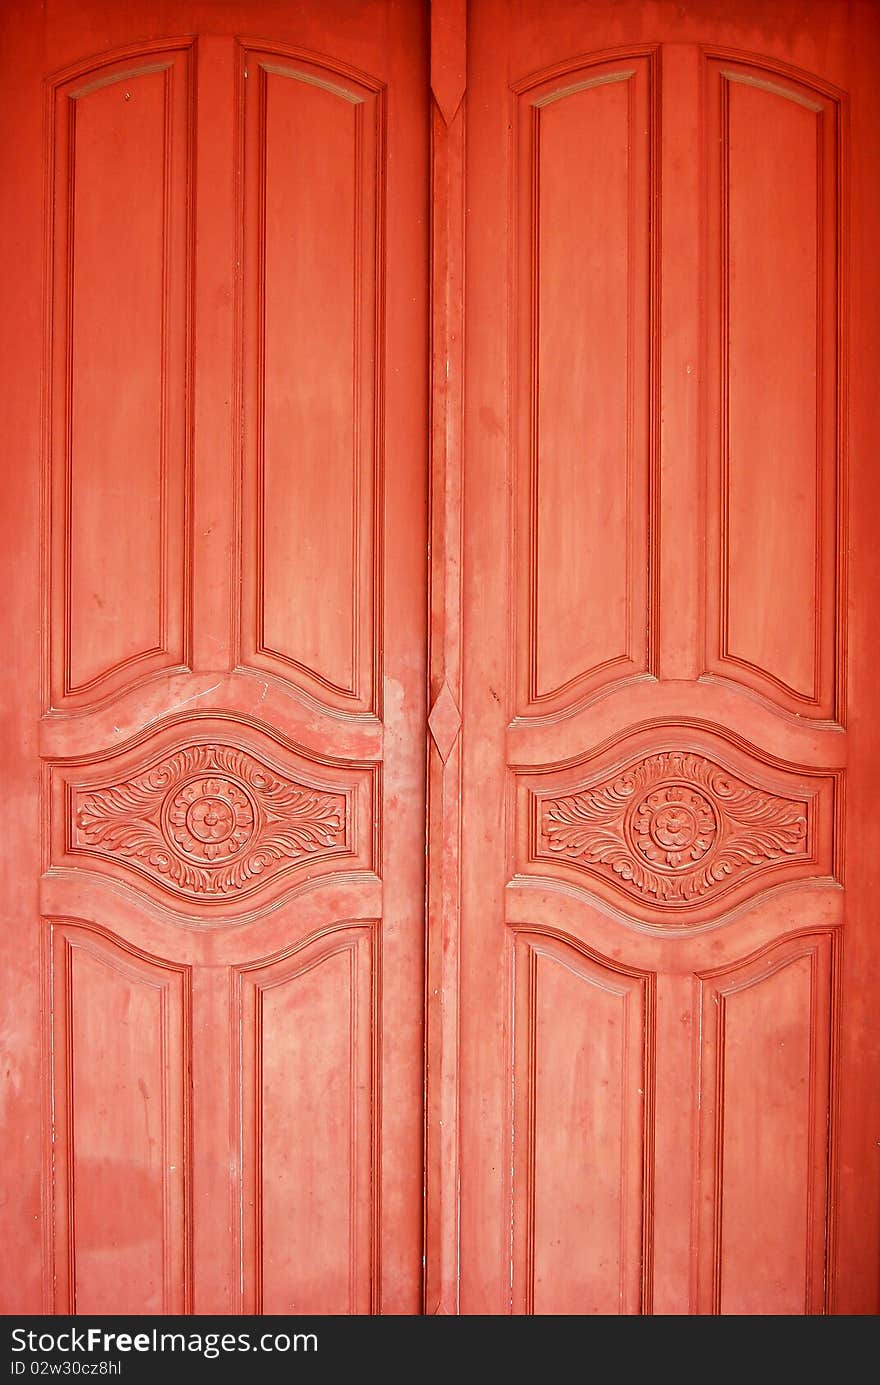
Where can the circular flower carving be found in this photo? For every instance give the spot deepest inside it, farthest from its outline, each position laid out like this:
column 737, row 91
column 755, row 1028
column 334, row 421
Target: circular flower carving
column 673, row 827
column 211, row 818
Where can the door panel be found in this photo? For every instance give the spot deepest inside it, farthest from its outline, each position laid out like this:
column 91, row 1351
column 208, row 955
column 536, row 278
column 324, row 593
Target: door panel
column 775, row 286
column 765, row 1106
column 118, row 527
column 584, row 1034
column 230, row 805
column 314, row 174
column 661, row 909
column 584, row 148
column 120, row 1027
column 634, row 1065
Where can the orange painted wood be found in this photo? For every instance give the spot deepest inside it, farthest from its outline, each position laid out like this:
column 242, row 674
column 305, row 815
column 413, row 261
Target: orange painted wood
column 217, row 508
column 444, row 751
column 669, row 1068
column 440, row 691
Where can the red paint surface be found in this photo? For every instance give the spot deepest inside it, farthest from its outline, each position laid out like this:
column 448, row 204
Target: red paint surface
column 615, row 531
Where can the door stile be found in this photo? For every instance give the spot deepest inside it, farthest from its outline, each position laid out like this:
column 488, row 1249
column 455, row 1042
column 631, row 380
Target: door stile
column 677, row 365
column 444, row 777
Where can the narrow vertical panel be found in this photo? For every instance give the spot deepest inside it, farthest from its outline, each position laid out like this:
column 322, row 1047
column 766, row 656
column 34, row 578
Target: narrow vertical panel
column 581, row 1067
column 306, row 1089
column 584, row 312
column 312, row 360
column 118, row 333
column 775, row 173
column 120, row 1032
column 765, row 1110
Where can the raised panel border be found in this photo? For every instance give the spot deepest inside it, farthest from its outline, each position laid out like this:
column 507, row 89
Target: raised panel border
column 361, row 939
column 824, row 948
column 641, row 658
column 364, row 698
column 828, row 702
column 61, row 936
column 533, row 939
column 173, row 653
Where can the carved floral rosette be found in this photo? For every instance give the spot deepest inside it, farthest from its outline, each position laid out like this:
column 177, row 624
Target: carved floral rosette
column 672, row 829
column 210, row 820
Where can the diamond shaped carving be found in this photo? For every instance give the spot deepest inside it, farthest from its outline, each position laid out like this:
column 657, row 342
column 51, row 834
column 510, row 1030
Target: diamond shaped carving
column 444, row 722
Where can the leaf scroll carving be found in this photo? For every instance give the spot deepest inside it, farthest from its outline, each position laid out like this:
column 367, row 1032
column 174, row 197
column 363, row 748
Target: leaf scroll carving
column 672, row 829
column 210, row 820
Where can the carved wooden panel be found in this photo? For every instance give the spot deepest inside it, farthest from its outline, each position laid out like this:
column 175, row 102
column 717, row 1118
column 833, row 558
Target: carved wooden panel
column 582, row 1067
column 775, row 314
column 313, row 298
column 676, row 829
column 118, row 361
column 307, row 1034
column 210, row 822
column 584, row 308
column 120, row 1035
column 765, row 1087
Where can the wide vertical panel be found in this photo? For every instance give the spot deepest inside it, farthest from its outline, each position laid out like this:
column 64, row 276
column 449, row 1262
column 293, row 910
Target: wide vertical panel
column 765, row 1105
column 307, row 1034
column 120, row 1043
column 581, row 1070
column 310, row 581
column 118, row 344
column 774, row 622
column 584, row 309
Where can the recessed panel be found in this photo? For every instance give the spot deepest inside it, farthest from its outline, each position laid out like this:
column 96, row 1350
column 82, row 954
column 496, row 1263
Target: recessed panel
column 119, row 243
column 583, row 387
column 580, row 1080
column 765, row 1108
column 778, row 356
column 121, row 1074
column 306, row 1087
column 312, row 236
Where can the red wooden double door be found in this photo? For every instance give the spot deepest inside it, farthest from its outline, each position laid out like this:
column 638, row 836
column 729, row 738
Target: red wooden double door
column 441, row 713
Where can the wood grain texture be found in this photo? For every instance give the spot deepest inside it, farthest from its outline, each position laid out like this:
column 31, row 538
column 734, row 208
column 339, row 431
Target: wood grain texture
column 308, row 1025
column 442, row 1226
column 585, row 306
column 776, row 293
column 191, row 808
column 764, row 1148
column 313, row 217
column 118, row 346
column 121, row 1079
column 583, row 1063
column 588, row 804
column 516, row 444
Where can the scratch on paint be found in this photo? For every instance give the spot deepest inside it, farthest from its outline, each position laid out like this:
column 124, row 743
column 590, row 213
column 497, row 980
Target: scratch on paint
column 160, row 716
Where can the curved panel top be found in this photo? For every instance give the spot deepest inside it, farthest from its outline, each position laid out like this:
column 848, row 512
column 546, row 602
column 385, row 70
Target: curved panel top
column 585, row 172
column 560, row 78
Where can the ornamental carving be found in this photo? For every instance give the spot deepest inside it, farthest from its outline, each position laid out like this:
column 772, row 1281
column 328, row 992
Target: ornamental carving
column 210, row 820
column 672, row 829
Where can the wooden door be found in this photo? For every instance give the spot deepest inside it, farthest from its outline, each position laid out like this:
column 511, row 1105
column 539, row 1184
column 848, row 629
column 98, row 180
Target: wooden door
column 650, row 1046
column 214, row 545
column 669, row 955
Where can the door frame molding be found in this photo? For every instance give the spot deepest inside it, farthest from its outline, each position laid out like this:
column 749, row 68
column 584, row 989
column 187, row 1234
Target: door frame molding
column 448, row 58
